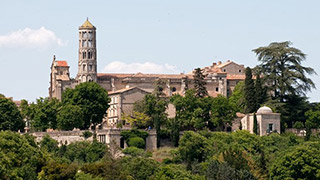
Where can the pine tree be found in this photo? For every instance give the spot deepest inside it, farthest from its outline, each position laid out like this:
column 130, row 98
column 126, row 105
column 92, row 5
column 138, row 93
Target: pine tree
column 261, row 93
column 200, row 83
column 255, row 124
column 249, row 92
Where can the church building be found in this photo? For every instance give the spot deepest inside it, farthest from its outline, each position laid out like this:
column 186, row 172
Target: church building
column 125, row 89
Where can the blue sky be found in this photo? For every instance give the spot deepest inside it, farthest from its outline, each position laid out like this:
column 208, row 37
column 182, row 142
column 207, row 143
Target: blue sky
column 162, row 36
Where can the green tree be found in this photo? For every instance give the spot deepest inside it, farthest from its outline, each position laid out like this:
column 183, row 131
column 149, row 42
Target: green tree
column 193, row 147
column 43, row 113
column 138, row 168
column 199, row 83
column 48, row 144
column 174, row 172
column 91, row 98
column 237, row 97
column 255, row 124
column 58, row 171
column 155, row 107
column 138, row 120
column 70, row 117
column 281, row 68
column 302, row 162
column 249, row 92
column 260, row 92
column 84, row 151
column 20, row 158
column 10, row 117
column 192, row 112
column 222, row 112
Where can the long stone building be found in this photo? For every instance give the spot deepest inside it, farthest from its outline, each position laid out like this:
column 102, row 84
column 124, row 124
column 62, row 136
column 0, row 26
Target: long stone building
column 125, row 89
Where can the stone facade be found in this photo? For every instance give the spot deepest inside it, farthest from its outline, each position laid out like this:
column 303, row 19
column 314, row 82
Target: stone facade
column 110, row 137
column 221, row 78
column 267, row 121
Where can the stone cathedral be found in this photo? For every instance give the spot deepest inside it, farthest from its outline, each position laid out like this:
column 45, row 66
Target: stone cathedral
column 125, row 89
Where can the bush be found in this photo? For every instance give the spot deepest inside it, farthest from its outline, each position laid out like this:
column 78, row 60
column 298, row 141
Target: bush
column 87, row 134
column 298, row 125
column 137, row 142
column 133, row 151
column 134, row 133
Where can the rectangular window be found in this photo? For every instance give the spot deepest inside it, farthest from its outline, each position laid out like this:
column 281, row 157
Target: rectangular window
column 270, row 128
column 90, row 67
column 217, row 89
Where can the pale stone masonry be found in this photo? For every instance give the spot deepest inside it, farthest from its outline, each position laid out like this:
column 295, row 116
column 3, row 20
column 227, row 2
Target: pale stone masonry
column 267, row 121
column 221, row 78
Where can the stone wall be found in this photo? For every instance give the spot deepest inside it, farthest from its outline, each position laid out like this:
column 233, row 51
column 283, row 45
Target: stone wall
column 107, row 136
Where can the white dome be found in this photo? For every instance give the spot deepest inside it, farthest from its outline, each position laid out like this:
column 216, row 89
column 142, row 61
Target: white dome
column 264, row 110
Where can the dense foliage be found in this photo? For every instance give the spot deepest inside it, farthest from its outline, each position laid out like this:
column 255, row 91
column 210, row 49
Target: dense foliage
column 91, row 98
column 10, row 117
column 199, row 156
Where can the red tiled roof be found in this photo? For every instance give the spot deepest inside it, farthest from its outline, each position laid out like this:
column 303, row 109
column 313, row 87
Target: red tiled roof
column 236, row 76
column 125, row 90
column 62, row 63
column 141, row 75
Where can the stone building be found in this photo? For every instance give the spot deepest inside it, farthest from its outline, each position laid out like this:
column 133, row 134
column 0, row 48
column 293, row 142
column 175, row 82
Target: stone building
column 267, row 121
column 221, row 78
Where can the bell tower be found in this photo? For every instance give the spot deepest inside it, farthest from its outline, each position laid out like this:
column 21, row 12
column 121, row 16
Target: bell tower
column 87, row 64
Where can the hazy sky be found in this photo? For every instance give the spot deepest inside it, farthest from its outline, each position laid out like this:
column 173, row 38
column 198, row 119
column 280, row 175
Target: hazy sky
column 160, row 36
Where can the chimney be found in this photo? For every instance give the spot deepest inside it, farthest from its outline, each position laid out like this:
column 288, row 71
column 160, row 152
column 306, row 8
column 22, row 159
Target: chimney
column 219, row 62
column 214, row 64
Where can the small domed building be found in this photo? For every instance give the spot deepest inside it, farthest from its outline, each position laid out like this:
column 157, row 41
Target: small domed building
column 267, row 121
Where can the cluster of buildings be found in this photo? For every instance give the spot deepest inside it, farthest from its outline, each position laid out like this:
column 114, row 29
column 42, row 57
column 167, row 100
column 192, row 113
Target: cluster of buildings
column 125, row 89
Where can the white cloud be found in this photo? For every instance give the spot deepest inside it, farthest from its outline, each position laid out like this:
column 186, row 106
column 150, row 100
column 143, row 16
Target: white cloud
column 147, row 67
column 31, row 38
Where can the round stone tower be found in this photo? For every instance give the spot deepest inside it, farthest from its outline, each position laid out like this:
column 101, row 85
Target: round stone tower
column 87, row 65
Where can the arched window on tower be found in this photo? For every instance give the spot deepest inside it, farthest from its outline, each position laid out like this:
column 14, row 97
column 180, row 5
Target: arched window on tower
column 90, row 34
column 84, row 67
column 84, row 54
column 84, row 43
column 89, row 43
column 89, row 55
column 84, row 34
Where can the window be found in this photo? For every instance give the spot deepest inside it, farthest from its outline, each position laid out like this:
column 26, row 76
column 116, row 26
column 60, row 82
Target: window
column 90, row 34
column 240, row 70
column 90, row 67
column 89, row 55
column 90, row 43
column 217, row 89
column 84, row 54
column 84, row 34
column 102, row 138
column 270, row 128
column 173, row 89
column 224, row 70
column 83, row 67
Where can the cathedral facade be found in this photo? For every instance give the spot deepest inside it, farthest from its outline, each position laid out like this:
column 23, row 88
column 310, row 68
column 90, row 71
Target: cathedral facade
column 125, row 89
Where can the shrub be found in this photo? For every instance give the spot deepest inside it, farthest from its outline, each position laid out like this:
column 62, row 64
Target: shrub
column 137, row 142
column 87, row 134
column 133, row 151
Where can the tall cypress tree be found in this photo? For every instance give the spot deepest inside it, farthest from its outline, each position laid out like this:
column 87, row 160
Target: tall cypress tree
column 261, row 93
column 255, row 124
column 200, row 83
column 249, row 92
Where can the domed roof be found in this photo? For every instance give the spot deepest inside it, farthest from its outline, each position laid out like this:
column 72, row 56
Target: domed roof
column 264, row 110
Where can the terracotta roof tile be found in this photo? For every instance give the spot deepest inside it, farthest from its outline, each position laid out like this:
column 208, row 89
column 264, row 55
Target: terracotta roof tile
column 236, row 76
column 62, row 63
column 141, row 75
